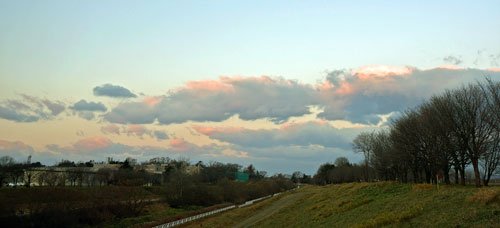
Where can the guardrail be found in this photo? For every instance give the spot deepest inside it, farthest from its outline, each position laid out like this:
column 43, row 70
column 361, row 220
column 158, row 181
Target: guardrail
column 250, row 202
column 195, row 217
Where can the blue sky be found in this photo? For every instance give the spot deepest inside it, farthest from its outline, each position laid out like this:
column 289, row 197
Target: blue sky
column 59, row 51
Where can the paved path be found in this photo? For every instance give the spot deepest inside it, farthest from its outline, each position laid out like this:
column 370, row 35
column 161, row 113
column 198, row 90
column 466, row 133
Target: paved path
column 270, row 210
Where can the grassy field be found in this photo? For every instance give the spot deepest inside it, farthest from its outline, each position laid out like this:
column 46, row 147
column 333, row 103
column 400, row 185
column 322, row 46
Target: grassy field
column 372, row 205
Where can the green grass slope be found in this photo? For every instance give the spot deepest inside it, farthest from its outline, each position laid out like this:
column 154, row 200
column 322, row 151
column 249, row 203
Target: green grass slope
column 384, row 204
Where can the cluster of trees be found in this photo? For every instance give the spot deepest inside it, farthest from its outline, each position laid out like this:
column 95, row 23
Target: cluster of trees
column 67, row 173
column 120, row 173
column 450, row 132
column 70, row 207
column 14, row 173
column 215, row 183
column 341, row 171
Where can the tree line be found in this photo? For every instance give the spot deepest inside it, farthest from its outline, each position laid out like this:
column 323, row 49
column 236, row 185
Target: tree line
column 446, row 135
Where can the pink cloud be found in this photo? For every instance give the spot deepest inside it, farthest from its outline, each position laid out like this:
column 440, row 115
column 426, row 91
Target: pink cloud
column 227, row 83
column 325, row 85
column 381, row 71
column 450, row 67
column 179, row 144
column 345, row 88
column 152, row 101
column 93, row 143
column 137, row 130
column 206, row 130
column 494, row 69
column 210, row 85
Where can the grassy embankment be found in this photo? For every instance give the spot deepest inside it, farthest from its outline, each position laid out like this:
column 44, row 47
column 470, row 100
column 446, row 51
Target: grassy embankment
column 374, row 205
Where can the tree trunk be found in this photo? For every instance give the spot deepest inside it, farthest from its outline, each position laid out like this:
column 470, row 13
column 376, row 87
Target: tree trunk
column 488, row 178
column 477, row 175
column 456, row 175
column 428, row 176
column 446, row 172
column 462, row 175
column 447, row 177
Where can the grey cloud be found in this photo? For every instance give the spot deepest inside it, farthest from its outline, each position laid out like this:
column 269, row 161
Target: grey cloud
column 30, row 109
column 336, row 76
column 294, row 135
column 134, row 130
column 10, row 114
column 88, row 115
column 378, row 96
column 251, row 98
column 110, row 129
column 160, row 135
column 91, row 106
column 17, row 105
column 365, row 108
column 54, row 107
column 455, row 60
column 132, row 112
column 110, row 90
column 86, row 109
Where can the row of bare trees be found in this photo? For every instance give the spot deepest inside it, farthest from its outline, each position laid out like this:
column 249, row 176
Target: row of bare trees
column 450, row 132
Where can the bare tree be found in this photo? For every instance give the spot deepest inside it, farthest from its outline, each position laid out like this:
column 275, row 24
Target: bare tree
column 50, row 177
column 475, row 129
column 491, row 159
column 363, row 144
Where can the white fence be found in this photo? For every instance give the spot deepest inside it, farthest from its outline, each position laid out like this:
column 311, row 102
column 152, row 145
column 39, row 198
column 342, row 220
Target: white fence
column 250, row 202
column 192, row 218
column 195, row 217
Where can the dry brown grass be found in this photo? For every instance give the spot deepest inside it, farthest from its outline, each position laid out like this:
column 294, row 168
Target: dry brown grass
column 386, row 218
column 485, row 196
column 420, row 187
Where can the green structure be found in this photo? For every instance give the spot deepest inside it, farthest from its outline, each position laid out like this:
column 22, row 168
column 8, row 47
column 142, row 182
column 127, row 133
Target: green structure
column 241, row 176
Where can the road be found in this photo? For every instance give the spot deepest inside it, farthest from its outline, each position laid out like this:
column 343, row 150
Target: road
column 270, row 210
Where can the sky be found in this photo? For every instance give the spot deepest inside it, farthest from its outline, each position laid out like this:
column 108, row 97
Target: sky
column 283, row 85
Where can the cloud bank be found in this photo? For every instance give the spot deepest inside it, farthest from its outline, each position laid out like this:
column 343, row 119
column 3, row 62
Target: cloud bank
column 359, row 95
